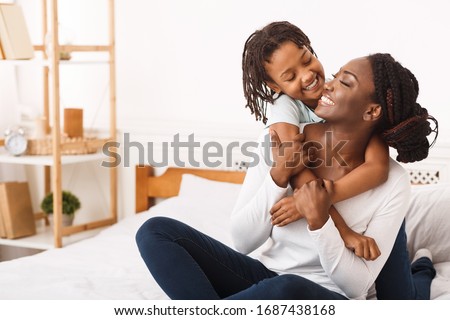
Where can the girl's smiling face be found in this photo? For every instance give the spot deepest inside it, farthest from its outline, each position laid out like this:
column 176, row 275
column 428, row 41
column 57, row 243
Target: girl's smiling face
column 297, row 73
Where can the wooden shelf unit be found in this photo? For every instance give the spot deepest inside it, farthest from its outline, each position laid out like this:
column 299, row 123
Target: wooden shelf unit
column 52, row 164
column 44, row 239
column 48, row 160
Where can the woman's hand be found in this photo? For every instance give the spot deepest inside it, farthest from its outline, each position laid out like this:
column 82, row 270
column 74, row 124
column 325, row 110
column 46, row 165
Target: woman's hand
column 314, row 202
column 285, row 212
column 363, row 247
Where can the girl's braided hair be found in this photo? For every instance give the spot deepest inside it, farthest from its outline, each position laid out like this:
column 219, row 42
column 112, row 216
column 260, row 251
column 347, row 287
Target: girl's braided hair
column 405, row 124
column 258, row 50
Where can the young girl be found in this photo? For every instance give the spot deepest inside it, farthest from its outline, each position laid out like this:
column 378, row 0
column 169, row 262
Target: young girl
column 280, row 68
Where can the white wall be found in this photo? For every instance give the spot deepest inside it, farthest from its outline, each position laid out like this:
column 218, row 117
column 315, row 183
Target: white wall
column 179, row 62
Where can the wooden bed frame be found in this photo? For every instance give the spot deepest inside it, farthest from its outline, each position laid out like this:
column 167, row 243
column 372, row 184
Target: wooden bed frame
column 149, row 186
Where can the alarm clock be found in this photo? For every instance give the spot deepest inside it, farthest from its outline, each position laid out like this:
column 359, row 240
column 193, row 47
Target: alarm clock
column 15, row 141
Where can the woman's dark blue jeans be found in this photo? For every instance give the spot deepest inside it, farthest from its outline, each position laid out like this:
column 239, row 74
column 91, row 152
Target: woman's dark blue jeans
column 188, row 264
column 399, row 280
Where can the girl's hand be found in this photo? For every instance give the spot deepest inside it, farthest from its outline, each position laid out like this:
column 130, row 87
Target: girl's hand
column 285, row 212
column 287, row 158
column 363, row 247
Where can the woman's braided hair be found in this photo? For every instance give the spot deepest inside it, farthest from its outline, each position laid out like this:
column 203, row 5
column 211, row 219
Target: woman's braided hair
column 405, row 124
column 258, row 50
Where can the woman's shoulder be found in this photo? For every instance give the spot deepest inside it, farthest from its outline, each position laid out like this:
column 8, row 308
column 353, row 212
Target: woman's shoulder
column 397, row 184
column 398, row 174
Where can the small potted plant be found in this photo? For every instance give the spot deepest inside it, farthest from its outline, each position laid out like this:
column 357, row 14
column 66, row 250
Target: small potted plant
column 70, row 204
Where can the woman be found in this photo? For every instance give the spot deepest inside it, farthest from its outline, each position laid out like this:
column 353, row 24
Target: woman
column 307, row 258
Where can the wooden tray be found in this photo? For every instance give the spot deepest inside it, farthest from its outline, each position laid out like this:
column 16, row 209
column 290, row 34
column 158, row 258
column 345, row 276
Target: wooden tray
column 69, row 146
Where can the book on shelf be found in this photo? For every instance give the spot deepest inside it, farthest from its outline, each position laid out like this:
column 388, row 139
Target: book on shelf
column 16, row 211
column 14, row 37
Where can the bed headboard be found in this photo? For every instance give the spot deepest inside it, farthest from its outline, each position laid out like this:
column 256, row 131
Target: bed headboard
column 149, row 186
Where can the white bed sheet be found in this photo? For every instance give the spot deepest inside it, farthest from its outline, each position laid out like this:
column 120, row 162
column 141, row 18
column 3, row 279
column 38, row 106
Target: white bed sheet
column 108, row 266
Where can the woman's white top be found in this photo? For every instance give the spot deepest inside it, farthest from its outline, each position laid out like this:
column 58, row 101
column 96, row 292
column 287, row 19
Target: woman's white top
column 319, row 255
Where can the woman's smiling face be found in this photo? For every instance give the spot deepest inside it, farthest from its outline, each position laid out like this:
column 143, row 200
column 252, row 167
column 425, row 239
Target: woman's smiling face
column 297, row 73
column 348, row 95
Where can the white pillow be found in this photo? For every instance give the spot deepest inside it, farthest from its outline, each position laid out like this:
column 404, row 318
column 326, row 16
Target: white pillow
column 203, row 204
column 428, row 221
column 210, row 191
